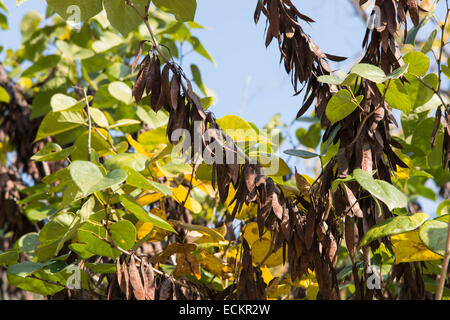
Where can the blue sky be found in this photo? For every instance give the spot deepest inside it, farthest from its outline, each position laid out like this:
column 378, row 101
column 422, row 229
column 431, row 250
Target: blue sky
column 248, row 79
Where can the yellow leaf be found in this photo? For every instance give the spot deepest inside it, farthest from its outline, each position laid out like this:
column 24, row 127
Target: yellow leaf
column 266, row 275
column 171, row 249
column 260, row 249
column 198, row 237
column 247, row 210
column 205, row 230
column 251, row 233
column 180, row 193
column 409, row 248
column 205, row 186
column 404, row 173
column 149, row 198
column 303, row 184
column 214, row 265
column 143, row 228
column 138, row 147
column 308, row 282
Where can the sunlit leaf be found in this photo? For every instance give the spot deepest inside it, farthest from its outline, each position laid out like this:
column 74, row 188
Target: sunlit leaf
column 408, row 247
column 381, row 190
column 434, row 235
column 393, row 226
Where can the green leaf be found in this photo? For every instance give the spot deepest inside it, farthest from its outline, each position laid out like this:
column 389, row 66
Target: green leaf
column 418, row 63
column 152, row 118
column 151, row 139
column 55, row 123
column 103, row 268
column 61, row 102
column 65, row 227
column 381, row 190
column 29, row 23
column 42, row 64
column 136, row 161
column 370, row 72
column 123, row 17
column 310, row 138
column 301, row 154
column 428, row 45
column 392, row 226
column 421, row 142
column 131, row 205
column 124, row 123
column 9, row 257
column 341, row 105
column 200, row 49
column 98, row 143
column 183, row 10
column 25, row 268
column 112, row 179
column 398, row 73
column 74, row 52
column 419, row 94
column 443, row 208
column 35, row 285
column 206, row 102
column 99, row 117
column 108, row 40
column 198, row 78
column 92, row 233
column 330, row 80
column 27, row 243
column 396, row 96
column 446, row 71
column 4, row 96
column 54, row 234
column 85, row 174
column 52, row 152
column 120, row 91
column 81, row 250
column 137, row 180
column 434, row 235
column 76, row 9
column 124, row 234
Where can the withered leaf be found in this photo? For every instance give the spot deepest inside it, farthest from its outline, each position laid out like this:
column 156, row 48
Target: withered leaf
column 174, row 92
column 139, row 86
column 148, row 277
column 135, row 279
column 172, row 249
column 150, row 75
column 126, row 281
column 138, row 56
column 156, row 83
column 119, row 275
column 165, row 290
column 351, row 235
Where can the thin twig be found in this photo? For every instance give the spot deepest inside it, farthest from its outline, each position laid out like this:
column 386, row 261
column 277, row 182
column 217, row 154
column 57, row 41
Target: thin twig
column 89, row 119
